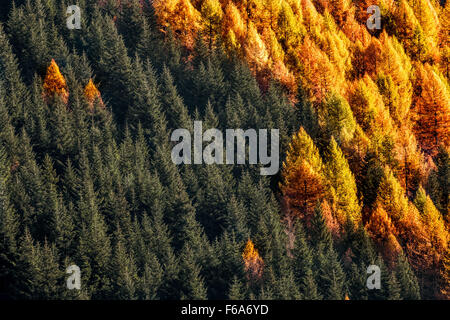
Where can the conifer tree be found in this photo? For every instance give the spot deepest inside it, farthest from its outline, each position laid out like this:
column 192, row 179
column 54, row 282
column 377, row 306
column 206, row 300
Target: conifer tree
column 303, row 182
column 236, row 290
column 15, row 91
column 438, row 183
column 343, row 185
column 194, row 288
column 92, row 94
column 9, row 228
column 212, row 14
column 339, row 119
column 252, row 261
column 125, row 269
column 407, row 280
column 431, row 108
column 172, row 102
column 54, row 83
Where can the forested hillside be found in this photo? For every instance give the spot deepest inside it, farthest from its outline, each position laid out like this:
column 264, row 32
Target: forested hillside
column 87, row 179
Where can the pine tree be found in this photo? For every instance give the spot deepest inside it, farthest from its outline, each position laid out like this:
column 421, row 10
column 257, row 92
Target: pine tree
column 236, row 290
column 125, row 270
column 286, row 288
column 302, row 266
column 94, row 247
column 9, row 228
column 194, row 288
column 39, row 270
column 327, row 268
column 320, row 235
column 394, row 288
column 172, row 102
column 407, row 280
column 236, row 219
column 151, row 279
column 229, row 267
column 131, row 23
column 15, row 91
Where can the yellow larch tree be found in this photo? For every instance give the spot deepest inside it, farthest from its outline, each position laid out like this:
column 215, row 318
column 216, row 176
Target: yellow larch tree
column 341, row 10
column 233, row 21
column 318, row 73
column 444, row 39
column 212, row 15
column 272, row 9
column 393, row 61
column 382, row 231
column 289, row 27
column 433, row 221
column 302, row 178
column 409, row 158
column 255, row 49
column 181, row 17
column 428, row 19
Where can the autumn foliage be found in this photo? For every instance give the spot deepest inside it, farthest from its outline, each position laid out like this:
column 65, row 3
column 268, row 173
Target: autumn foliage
column 92, row 94
column 364, row 122
column 54, row 83
column 253, row 263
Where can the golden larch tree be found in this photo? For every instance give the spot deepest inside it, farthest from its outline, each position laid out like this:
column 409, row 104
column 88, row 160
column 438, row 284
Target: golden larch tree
column 55, row 84
column 92, row 94
column 302, row 183
column 181, row 17
column 382, row 231
column 212, row 15
column 432, row 110
column 253, row 263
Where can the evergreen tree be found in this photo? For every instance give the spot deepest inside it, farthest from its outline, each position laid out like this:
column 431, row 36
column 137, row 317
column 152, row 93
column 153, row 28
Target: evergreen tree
column 407, row 280
column 194, row 288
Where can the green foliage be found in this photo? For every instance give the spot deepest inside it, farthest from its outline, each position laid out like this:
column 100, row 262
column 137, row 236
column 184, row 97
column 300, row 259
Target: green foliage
column 343, row 186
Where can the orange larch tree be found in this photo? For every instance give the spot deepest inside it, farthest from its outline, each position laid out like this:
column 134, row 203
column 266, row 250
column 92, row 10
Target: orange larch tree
column 55, row 84
column 253, row 263
column 92, row 94
column 382, row 231
column 181, row 17
column 432, row 109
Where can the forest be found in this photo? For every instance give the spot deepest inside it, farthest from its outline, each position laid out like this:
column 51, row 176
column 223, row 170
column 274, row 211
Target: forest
column 87, row 179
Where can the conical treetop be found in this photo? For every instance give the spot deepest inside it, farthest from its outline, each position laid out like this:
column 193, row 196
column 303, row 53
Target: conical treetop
column 54, row 83
column 91, row 93
column 252, row 261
